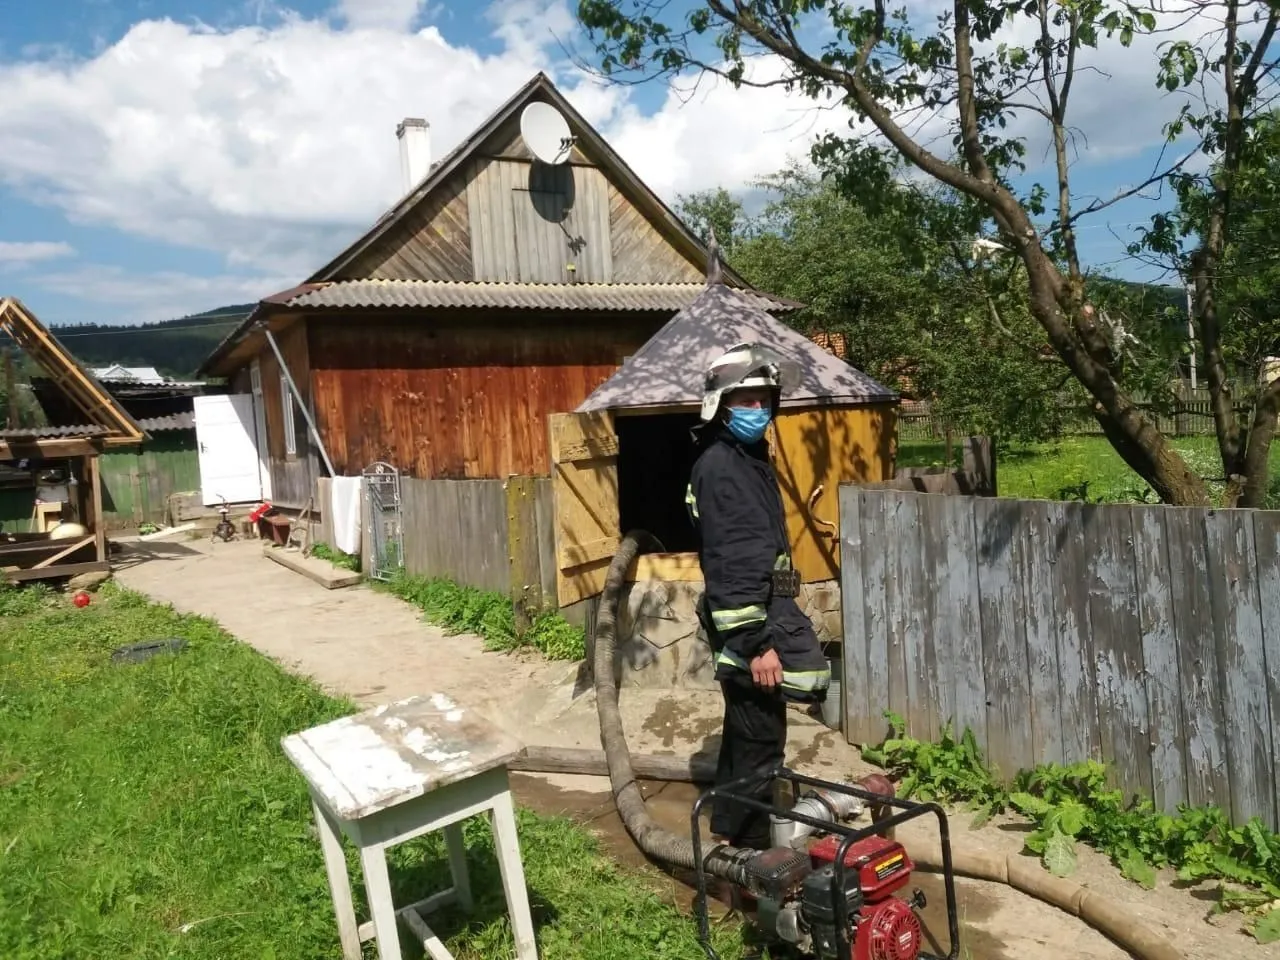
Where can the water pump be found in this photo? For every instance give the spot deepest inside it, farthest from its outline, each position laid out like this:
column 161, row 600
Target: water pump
column 824, row 889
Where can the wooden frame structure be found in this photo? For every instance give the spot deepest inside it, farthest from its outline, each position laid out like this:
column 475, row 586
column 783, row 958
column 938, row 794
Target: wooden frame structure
column 107, row 425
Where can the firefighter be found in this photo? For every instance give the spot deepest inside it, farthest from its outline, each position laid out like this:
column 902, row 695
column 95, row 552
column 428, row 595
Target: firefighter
column 766, row 651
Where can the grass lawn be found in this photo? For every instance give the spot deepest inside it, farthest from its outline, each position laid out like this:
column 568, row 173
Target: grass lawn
column 147, row 811
column 1082, row 467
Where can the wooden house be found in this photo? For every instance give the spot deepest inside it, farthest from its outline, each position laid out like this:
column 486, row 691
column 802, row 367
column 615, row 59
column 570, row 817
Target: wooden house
column 835, row 425
column 500, row 290
column 63, row 458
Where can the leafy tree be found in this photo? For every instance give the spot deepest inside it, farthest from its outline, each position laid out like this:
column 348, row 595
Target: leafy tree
column 890, row 67
column 718, row 210
column 1223, row 237
column 915, row 307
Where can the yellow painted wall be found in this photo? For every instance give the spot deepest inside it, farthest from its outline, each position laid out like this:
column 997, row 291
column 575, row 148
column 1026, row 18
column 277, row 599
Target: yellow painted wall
column 827, row 446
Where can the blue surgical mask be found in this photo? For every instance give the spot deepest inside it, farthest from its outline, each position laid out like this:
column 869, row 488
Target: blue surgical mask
column 748, row 423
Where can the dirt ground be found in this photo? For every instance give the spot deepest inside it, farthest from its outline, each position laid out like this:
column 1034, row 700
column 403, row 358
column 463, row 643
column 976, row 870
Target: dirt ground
column 374, row 649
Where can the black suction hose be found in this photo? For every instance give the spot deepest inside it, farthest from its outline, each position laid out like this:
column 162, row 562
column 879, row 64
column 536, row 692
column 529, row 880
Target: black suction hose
column 656, row 841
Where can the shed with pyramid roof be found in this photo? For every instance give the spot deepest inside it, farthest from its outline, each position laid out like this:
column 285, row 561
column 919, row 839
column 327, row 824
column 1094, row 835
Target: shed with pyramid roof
column 623, row 457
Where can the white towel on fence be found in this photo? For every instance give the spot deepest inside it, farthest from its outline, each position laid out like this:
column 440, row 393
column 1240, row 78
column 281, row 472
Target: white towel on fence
column 345, row 506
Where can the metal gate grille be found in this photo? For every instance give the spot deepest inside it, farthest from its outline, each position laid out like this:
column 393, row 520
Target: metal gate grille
column 386, row 529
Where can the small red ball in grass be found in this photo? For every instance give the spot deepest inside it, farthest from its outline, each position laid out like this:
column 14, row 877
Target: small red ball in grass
column 81, row 599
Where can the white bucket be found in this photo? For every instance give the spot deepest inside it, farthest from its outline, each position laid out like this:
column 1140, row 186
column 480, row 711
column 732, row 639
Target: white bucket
column 833, row 706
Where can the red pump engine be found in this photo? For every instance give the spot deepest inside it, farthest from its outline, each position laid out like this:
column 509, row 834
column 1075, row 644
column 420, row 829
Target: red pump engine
column 886, row 927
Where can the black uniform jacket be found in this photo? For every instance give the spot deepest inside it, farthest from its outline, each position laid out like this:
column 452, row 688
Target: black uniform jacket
column 734, row 503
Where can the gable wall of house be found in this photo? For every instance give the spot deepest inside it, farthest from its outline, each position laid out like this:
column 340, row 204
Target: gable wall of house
column 504, row 217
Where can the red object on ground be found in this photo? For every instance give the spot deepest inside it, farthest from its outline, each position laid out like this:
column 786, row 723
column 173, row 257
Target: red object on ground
column 81, row 599
column 259, row 512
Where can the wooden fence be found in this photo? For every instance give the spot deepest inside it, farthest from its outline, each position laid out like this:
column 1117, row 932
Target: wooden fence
column 1192, row 416
column 490, row 534
column 1145, row 636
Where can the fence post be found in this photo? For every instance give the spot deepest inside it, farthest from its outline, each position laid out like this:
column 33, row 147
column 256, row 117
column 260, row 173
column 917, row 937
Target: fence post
column 522, row 550
column 980, row 463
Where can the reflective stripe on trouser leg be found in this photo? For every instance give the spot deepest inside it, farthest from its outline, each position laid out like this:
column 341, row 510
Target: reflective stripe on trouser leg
column 804, row 681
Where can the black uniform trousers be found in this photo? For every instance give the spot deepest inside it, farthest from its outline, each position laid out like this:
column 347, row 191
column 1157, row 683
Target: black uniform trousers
column 753, row 743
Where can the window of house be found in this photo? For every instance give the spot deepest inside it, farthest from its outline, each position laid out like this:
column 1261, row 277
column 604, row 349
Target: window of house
column 286, row 403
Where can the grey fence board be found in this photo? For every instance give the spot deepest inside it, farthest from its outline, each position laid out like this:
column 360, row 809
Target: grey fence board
column 941, row 671
column 1266, row 542
column 959, row 604
column 1160, row 656
column 878, row 585
column 1238, row 633
column 1004, row 643
column 457, row 529
column 1113, row 610
column 1145, row 636
column 859, row 726
column 1042, row 636
column 1080, row 737
column 1199, row 672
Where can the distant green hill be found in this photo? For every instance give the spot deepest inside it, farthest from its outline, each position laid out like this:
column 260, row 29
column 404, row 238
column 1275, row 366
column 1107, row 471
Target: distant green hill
column 174, row 347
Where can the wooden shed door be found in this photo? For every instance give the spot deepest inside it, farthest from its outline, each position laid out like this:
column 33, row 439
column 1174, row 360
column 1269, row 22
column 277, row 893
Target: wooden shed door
column 584, row 477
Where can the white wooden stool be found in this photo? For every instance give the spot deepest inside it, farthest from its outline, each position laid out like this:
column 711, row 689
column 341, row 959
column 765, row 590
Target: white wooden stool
column 397, row 772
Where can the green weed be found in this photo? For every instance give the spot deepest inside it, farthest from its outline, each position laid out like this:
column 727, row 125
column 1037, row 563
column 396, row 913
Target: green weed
column 146, row 810
column 1074, row 803
column 489, row 615
column 346, row 561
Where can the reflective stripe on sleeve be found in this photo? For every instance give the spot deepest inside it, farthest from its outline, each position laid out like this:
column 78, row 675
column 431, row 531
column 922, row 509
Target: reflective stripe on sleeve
column 803, row 681
column 741, row 617
column 690, row 500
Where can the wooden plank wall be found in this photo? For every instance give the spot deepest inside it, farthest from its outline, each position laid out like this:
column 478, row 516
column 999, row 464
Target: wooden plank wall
column 459, row 530
column 529, row 221
column 1144, row 636
column 458, row 399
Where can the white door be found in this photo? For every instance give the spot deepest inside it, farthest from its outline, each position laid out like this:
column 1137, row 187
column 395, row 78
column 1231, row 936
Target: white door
column 260, row 424
column 228, row 454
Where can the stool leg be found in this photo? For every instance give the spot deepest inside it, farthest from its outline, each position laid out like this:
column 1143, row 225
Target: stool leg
column 377, row 887
column 335, row 865
column 458, row 865
column 513, row 885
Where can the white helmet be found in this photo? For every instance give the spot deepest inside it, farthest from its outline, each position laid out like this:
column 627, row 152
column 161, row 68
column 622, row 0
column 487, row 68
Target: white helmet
column 743, row 365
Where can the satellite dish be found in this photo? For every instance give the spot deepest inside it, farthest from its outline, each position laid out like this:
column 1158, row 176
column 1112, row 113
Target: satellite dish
column 546, row 133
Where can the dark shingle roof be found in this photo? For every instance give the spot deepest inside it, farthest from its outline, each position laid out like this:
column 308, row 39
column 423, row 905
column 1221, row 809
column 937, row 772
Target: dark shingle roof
column 668, row 370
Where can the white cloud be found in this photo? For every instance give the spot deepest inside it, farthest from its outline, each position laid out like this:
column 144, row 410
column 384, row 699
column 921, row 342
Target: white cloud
column 394, row 15
column 274, row 145
column 33, row 251
column 148, row 297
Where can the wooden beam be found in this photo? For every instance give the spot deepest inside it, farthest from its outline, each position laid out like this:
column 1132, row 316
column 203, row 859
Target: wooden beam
column 671, row 768
column 61, row 570
column 65, row 552
column 99, row 527
column 50, row 448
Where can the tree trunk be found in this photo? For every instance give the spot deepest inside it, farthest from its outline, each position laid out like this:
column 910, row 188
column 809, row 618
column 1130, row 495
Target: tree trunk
column 1257, row 458
column 1084, row 350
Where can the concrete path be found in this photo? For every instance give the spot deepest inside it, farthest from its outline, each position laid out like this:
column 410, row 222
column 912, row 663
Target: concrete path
column 375, row 648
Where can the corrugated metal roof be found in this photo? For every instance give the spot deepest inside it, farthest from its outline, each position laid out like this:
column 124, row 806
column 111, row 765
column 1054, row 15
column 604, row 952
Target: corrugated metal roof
column 529, row 296
column 176, row 421
column 669, row 369
column 41, row 433
column 186, row 420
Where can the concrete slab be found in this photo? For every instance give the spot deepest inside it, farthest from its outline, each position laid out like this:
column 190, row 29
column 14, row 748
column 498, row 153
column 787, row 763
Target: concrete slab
column 313, row 568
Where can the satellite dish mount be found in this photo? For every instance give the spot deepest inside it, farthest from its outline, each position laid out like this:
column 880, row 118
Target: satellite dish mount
column 546, row 133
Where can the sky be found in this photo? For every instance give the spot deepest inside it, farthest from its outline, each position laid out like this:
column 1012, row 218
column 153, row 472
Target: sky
column 165, row 157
